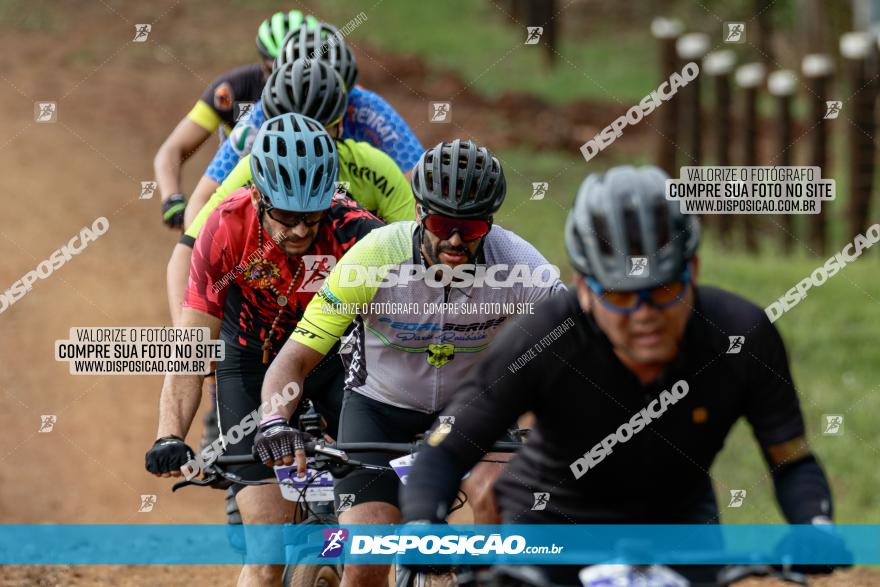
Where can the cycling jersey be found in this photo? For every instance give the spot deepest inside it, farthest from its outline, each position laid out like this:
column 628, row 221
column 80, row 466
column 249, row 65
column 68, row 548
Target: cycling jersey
column 374, row 182
column 230, row 278
column 581, row 393
column 369, row 118
column 217, row 104
column 408, row 349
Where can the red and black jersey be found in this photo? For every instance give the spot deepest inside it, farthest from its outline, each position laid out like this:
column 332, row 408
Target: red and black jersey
column 232, row 278
column 242, row 84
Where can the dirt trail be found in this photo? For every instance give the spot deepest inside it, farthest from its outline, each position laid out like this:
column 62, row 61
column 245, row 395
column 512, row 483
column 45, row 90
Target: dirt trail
column 116, row 102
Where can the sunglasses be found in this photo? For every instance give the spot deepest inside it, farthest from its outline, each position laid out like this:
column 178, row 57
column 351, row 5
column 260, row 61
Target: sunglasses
column 293, row 219
column 445, row 226
column 627, row 302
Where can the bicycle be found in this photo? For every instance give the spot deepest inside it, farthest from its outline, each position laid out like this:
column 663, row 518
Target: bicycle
column 314, row 497
column 314, row 493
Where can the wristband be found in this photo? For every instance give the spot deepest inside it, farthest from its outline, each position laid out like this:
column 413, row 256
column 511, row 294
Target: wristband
column 169, row 437
column 174, row 204
column 271, row 420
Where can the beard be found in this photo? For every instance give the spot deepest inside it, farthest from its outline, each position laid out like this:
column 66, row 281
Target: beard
column 433, row 253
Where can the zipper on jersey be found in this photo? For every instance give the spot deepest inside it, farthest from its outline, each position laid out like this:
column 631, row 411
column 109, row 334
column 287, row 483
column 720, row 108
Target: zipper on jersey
column 439, row 372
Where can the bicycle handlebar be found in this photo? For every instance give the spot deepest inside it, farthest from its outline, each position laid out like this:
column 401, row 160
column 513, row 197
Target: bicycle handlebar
column 340, row 450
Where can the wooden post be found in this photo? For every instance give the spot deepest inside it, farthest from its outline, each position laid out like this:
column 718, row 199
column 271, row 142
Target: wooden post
column 858, row 50
column 783, row 84
column 764, row 16
column 818, row 70
column 541, row 14
column 667, row 31
column 692, row 47
column 719, row 65
column 750, row 77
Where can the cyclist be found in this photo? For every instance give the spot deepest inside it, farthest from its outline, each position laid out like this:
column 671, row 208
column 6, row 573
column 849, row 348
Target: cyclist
column 369, row 117
column 312, row 89
column 255, row 300
column 403, row 369
column 216, row 108
column 608, row 349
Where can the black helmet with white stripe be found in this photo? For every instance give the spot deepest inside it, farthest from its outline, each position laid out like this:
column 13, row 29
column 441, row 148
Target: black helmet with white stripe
column 621, row 214
column 459, row 179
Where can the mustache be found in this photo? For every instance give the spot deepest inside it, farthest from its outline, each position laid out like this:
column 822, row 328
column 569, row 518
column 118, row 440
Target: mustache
column 458, row 250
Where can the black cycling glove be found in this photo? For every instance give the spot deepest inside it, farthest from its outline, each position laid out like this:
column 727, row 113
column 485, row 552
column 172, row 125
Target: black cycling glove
column 277, row 439
column 817, row 541
column 172, row 210
column 168, row 455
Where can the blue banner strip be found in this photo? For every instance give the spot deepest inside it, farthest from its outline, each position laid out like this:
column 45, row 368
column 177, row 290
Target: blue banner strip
column 444, row 544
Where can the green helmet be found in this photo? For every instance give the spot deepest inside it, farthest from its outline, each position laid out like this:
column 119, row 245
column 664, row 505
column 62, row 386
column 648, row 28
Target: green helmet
column 273, row 30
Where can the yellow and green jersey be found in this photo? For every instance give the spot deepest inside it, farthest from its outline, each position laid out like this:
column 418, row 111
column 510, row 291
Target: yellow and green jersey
column 371, row 178
column 414, row 342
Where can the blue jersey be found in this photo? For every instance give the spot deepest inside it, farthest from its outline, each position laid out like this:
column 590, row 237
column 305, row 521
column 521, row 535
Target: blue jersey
column 369, row 118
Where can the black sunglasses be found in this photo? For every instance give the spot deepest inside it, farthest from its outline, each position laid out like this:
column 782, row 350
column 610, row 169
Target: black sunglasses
column 292, row 219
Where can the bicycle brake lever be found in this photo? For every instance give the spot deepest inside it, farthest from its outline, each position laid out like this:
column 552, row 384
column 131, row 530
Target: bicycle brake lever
column 333, row 453
column 199, row 482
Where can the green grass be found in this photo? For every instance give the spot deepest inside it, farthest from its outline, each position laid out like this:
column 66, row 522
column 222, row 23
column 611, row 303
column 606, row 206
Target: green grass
column 488, row 50
column 831, row 338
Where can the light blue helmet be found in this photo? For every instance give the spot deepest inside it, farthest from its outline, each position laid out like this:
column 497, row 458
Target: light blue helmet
column 294, row 164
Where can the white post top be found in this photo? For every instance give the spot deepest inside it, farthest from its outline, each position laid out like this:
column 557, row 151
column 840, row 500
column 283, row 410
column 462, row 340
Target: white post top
column 817, row 65
column 719, row 62
column 692, row 45
column 782, row 83
column 750, row 75
column 666, row 28
column 856, row 45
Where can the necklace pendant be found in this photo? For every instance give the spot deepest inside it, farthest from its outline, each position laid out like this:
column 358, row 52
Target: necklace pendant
column 282, row 301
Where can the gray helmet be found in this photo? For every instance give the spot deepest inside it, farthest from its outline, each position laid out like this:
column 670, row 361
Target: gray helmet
column 459, row 179
column 310, row 88
column 624, row 213
column 321, row 42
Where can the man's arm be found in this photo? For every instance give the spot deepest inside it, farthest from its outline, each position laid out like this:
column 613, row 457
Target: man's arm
column 181, row 393
column 200, row 196
column 773, row 410
column 200, row 207
column 177, row 276
column 293, row 362
column 184, row 140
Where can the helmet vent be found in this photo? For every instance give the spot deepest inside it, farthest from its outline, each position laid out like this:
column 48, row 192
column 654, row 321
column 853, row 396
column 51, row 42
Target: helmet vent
column 661, row 224
column 603, row 237
column 316, row 179
column 302, row 177
column 282, row 148
column 300, row 148
column 319, row 147
column 285, row 178
column 633, row 231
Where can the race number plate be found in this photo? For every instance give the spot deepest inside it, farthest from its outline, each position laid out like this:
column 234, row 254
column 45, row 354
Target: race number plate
column 320, row 488
column 402, row 465
column 652, row 576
